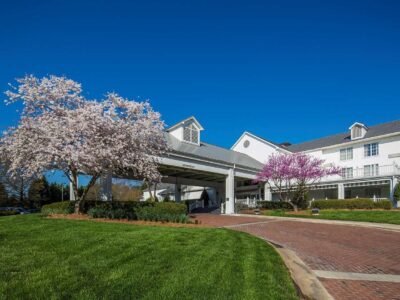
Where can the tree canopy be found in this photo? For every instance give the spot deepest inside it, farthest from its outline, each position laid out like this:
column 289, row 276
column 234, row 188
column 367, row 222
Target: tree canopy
column 60, row 129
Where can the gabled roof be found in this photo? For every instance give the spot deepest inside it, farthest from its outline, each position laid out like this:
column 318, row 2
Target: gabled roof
column 258, row 138
column 212, row 153
column 358, row 124
column 343, row 138
column 192, row 118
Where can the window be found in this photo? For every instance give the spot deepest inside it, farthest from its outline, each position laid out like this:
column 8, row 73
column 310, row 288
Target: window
column 371, row 170
column 371, row 149
column 191, row 134
column 356, row 132
column 346, row 154
column 347, row 173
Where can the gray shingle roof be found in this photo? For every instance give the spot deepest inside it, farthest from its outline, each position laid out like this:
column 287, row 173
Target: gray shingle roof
column 342, row 138
column 213, row 153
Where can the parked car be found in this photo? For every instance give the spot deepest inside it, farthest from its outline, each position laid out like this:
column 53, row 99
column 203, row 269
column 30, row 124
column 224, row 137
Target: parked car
column 20, row 210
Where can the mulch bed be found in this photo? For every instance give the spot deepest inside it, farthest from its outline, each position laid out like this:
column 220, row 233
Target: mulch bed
column 123, row 221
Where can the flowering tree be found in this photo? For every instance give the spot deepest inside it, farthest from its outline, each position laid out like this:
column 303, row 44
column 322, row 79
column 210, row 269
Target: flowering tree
column 62, row 130
column 293, row 174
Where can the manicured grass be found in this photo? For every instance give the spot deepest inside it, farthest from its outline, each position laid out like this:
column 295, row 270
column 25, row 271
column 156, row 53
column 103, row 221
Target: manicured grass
column 69, row 259
column 376, row 216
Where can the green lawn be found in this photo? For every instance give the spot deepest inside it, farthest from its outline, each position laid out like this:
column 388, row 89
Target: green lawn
column 69, row 259
column 376, row 216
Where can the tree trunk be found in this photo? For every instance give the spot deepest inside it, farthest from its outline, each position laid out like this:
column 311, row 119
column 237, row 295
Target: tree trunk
column 77, row 206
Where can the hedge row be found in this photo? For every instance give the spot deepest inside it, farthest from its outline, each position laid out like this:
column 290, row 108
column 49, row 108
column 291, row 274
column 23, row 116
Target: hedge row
column 359, row 203
column 65, row 207
column 158, row 211
column 164, row 211
column 275, row 205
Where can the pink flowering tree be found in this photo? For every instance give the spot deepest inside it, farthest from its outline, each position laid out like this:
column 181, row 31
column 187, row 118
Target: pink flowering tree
column 60, row 129
column 292, row 175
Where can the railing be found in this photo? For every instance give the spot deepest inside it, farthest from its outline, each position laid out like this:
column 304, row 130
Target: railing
column 247, row 202
column 386, row 170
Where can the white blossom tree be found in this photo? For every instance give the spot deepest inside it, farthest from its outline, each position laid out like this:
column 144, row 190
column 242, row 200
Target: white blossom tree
column 60, row 129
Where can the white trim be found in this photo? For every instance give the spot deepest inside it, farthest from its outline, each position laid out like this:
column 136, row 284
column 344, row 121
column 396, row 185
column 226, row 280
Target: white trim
column 261, row 140
column 197, row 123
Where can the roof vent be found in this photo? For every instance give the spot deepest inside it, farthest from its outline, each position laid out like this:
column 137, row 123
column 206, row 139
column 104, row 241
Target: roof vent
column 285, row 144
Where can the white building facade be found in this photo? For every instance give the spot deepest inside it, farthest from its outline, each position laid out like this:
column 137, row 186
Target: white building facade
column 369, row 158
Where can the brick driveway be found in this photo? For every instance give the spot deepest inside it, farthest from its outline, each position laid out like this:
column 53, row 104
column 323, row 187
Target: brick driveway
column 331, row 247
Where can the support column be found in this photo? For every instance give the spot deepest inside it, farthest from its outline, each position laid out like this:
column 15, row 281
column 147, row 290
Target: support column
column 106, row 186
column 230, row 192
column 221, row 198
column 267, row 193
column 178, row 190
column 340, row 191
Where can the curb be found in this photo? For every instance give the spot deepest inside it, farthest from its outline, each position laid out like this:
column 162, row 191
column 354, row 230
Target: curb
column 382, row 226
column 304, row 278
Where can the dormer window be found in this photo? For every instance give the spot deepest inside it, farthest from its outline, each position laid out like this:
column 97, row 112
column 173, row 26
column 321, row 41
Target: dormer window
column 358, row 131
column 191, row 134
column 187, row 131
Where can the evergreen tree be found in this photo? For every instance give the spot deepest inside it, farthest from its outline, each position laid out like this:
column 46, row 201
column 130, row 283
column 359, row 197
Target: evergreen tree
column 38, row 192
column 3, row 195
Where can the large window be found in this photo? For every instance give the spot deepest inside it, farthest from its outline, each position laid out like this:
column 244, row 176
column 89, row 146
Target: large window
column 191, row 134
column 371, row 149
column 346, row 154
column 347, row 173
column 371, row 170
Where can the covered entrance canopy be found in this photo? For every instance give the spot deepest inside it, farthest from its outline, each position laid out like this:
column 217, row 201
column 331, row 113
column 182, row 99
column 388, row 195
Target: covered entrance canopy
column 202, row 165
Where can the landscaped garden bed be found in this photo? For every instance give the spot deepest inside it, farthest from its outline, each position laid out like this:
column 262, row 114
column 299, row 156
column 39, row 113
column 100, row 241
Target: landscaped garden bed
column 143, row 211
column 47, row 258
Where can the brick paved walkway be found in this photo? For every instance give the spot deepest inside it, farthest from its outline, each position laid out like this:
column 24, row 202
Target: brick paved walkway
column 329, row 247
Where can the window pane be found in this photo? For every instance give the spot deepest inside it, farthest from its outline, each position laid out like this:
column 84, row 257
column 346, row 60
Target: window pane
column 349, row 153
column 342, row 154
column 195, row 136
column 367, row 170
column 186, row 134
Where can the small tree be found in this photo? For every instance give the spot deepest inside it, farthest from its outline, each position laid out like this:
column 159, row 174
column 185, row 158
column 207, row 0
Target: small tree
column 38, row 192
column 292, row 175
column 396, row 194
column 61, row 130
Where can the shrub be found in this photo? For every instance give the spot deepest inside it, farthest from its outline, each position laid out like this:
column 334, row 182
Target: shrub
column 163, row 211
column 275, row 205
column 112, row 210
column 65, row 207
column 360, row 203
column 384, row 204
column 396, row 194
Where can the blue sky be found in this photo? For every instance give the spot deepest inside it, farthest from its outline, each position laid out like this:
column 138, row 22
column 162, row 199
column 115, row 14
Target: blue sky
column 285, row 70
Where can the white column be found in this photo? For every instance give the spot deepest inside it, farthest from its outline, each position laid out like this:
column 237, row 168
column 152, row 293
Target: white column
column 106, row 186
column 177, row 192
column 230, row 192
column 340, row 191
column 267, row 193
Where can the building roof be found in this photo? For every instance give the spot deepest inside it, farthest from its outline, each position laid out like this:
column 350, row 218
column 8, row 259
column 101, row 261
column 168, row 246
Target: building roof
column 192, row 118
column 212, row 153
column 260, row 138
column 343, row 138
